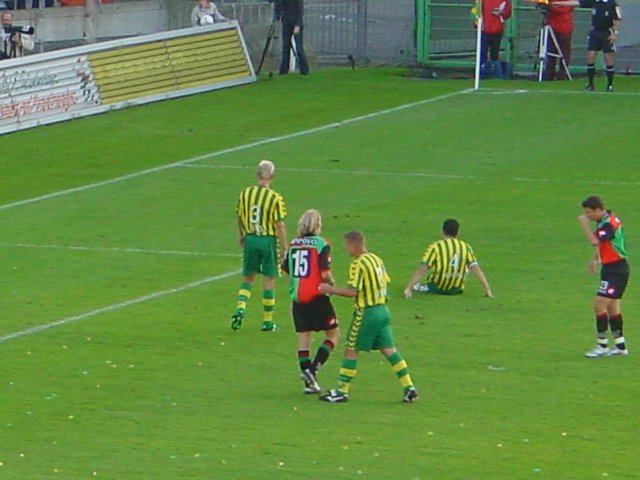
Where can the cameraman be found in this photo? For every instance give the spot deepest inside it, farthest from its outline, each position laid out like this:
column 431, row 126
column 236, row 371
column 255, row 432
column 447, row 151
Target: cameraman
column 291, row 13
column 15, row 40
column 560, row 19
column 6, row 22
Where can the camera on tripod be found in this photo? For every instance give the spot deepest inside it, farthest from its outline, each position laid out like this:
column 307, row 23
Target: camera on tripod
column 278, row 9
column 15, row 29
column 20, row 39
column 542, row 5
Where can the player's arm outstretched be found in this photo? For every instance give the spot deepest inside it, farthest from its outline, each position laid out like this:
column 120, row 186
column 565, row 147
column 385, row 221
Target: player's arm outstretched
column 329, row 289
column 477, row 271
column 419, row 274
column 327, row 277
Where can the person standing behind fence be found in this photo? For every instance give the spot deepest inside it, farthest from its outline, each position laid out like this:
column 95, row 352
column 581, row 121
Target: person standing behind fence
column 605, row 20
column 6, row 21
column 560, row 19
column 494, row 15
column 292, row 12
column 206, row 13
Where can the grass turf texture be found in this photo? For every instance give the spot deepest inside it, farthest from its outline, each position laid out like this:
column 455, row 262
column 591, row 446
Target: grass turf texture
column 164, row 389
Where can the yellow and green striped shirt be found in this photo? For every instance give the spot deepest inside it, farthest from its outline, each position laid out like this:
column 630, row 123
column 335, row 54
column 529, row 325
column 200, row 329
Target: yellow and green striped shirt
column 368, row 275
column 449, row 261
column 259, row 209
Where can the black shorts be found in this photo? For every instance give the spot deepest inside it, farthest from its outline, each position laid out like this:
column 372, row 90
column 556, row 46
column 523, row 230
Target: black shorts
column 613, row 279
column 599, row 40
column 315, row 316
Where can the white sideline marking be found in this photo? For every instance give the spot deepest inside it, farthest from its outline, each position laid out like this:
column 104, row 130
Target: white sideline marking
column 225, row 151
column 423, row 174
column 560, row 92
column 115, row 306
column 117, row 249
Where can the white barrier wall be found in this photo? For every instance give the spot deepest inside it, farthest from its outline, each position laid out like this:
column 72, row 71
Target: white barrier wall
column 58, row 86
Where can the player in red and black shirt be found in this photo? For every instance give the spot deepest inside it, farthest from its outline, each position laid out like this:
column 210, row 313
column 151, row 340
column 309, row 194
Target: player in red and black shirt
column 308, row 263
column 614, row 274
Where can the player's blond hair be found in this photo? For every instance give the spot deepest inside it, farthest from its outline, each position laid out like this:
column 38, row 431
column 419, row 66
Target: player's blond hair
column 310, row 223
column 355, row 237
column 266, row 170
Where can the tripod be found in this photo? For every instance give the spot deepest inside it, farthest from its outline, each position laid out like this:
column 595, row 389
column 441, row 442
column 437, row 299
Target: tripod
column 271, row 36
column 546, row 34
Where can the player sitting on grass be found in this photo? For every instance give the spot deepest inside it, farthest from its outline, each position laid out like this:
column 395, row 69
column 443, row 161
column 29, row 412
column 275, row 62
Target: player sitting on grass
column 447, row 262
column 614, row 274
column 261, row 213
column 308, row 264
column 371, row 325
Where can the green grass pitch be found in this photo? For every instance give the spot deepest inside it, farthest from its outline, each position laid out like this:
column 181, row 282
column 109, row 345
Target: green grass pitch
column 151, row 383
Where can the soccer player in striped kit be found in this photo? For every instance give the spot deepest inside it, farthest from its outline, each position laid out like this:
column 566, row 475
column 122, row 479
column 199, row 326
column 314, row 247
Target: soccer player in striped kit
column 371, row 325
column 611, row 252
column 308, row 263
column 262, row 232
column 447, row 262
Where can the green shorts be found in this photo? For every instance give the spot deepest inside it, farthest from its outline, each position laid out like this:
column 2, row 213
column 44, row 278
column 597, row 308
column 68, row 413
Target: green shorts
column 370, row 329
column 260, row 256
column 437, row 291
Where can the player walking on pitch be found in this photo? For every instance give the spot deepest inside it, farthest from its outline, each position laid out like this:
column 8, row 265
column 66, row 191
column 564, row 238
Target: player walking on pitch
column 447, row 262
column 261, row 229
column 308, row 263
column 371, row 325
column 614, row 274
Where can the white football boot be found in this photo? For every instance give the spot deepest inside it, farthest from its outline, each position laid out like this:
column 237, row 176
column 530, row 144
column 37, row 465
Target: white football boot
column 617, row 351
column 597, row 352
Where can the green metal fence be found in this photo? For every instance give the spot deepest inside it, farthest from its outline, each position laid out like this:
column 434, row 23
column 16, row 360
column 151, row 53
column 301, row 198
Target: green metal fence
column 446, row 36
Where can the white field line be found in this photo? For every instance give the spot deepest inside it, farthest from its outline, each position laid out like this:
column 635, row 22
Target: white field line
column 498, row 91
column 226, row 151
column 117, row 250
column 115, row 306
column 424, row 175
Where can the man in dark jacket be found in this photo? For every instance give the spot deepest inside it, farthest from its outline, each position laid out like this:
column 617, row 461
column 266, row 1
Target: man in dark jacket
column 292, row 12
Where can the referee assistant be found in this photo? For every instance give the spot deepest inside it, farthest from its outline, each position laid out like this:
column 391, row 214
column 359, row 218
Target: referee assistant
column 261, row 213
column 446, row 262
column 605, row 19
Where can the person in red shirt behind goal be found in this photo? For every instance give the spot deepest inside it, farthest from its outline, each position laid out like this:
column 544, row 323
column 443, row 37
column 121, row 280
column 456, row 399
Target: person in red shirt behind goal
column 494, row 15
column 308, row 263
column 560, row 19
